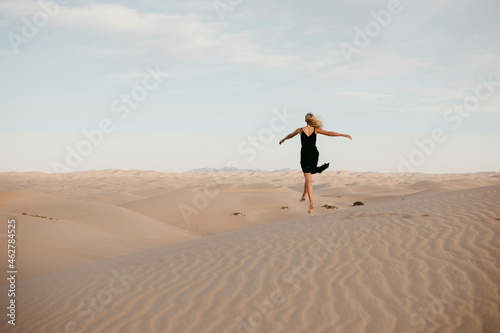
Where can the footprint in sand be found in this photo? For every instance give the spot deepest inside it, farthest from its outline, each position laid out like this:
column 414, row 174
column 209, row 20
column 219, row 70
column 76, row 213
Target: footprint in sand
column 238, row 214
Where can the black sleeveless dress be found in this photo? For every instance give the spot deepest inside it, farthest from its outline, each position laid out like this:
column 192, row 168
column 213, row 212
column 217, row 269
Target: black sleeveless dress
column 309, row 154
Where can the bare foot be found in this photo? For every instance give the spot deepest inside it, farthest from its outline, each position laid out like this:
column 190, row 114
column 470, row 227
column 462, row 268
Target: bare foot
column 302, row 199
column 311, row 207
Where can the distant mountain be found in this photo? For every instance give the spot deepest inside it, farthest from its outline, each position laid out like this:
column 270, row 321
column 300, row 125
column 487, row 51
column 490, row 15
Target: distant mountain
column 285, row 170
column 226, row 169
column 232, row 169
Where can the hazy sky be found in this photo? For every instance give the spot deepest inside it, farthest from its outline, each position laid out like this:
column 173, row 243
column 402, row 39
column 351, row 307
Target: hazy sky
column 177, row 85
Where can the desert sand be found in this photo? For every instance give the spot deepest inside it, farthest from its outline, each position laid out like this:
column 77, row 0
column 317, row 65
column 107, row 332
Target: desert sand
column 144, row 251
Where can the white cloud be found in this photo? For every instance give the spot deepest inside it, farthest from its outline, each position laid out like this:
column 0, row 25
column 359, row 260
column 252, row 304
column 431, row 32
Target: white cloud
column 19, row 8
column 484, row 62
column 185, row 37
column 286, row 89
column 370, row 64
column 362, row 96
column 422, row 94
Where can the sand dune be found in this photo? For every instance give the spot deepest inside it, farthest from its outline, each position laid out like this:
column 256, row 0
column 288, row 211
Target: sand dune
column 420, row 255
column 57, row 233
column 113, row 198
column 207, row 213
column 427, row 263
column 101, row 214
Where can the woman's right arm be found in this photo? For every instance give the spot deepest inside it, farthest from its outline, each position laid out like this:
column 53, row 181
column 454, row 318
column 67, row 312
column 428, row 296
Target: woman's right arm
column 291, row 135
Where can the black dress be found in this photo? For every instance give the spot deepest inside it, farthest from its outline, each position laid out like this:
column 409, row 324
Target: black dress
column 309, row 154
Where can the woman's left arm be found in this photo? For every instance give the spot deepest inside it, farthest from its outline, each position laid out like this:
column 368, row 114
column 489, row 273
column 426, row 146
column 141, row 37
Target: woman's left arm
column 320, row 131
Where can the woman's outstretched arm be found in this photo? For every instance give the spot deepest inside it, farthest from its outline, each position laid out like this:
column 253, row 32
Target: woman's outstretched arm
column 291, row 135
column 320, row 131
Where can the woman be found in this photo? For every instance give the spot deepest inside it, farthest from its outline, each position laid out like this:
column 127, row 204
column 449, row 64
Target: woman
column 309, row 154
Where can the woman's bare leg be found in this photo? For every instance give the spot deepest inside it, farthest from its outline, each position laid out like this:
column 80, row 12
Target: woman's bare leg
column 309, row 191
column 305, row 189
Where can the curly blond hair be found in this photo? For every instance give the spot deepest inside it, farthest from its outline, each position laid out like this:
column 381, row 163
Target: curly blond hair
column 314, row 121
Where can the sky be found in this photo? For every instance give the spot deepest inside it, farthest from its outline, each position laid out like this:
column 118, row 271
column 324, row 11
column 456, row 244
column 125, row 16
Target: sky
column 181, row 85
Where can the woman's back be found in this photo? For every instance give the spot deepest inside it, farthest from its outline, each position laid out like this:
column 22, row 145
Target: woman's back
column 308, row 141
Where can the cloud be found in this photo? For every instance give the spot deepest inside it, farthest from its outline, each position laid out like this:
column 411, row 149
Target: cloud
column 371, row 63
column 362, row 96
column 423, row 94
column 186, row 37
column 286, row 90
column 19, row 8
column 484, row 62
